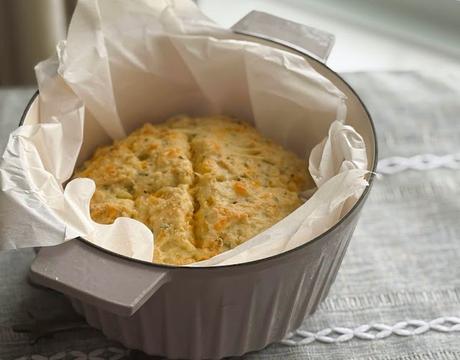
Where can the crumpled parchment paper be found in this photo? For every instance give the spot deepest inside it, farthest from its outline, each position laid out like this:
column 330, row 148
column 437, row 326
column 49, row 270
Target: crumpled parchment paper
column 125, row 63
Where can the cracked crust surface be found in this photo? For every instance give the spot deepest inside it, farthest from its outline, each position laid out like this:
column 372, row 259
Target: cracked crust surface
column 202, row 185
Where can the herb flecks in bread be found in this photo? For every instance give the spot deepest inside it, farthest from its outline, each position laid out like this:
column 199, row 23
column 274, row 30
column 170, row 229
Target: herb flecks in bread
column 202, row 185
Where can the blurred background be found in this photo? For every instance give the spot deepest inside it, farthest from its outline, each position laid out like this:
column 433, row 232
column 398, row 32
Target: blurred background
column 29, row 31
column 370, row 34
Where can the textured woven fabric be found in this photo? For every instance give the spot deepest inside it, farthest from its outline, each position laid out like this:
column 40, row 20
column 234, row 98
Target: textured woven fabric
column 402, row 264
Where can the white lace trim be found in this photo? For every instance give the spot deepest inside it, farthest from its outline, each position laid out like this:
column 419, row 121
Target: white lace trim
column 396, row 164
column 373, row 332
column 376, row 331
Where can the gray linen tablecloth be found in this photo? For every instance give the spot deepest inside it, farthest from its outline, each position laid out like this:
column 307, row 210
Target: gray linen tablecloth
column 403, row 263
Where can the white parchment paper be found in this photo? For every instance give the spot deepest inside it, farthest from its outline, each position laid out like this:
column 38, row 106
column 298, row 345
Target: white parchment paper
column 125, row 63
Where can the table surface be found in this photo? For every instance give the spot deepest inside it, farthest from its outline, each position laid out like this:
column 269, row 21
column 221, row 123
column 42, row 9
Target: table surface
column 402, row 265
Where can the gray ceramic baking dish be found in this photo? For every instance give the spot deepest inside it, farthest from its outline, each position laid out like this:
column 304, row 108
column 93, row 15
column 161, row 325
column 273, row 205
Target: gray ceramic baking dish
column 211, row 312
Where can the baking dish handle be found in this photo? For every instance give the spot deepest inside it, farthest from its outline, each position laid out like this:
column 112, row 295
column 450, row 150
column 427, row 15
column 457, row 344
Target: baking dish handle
column 303, row 38
column 107, row 281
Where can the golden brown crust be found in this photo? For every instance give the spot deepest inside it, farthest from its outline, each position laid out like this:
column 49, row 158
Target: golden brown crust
column 202, row 185
column 232, row 211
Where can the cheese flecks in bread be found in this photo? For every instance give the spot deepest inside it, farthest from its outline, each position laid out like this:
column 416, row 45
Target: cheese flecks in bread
column 232, row 211
column 202, row 185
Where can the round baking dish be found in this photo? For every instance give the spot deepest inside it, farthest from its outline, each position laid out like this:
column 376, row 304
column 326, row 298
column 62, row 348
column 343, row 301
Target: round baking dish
column 208, row 312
